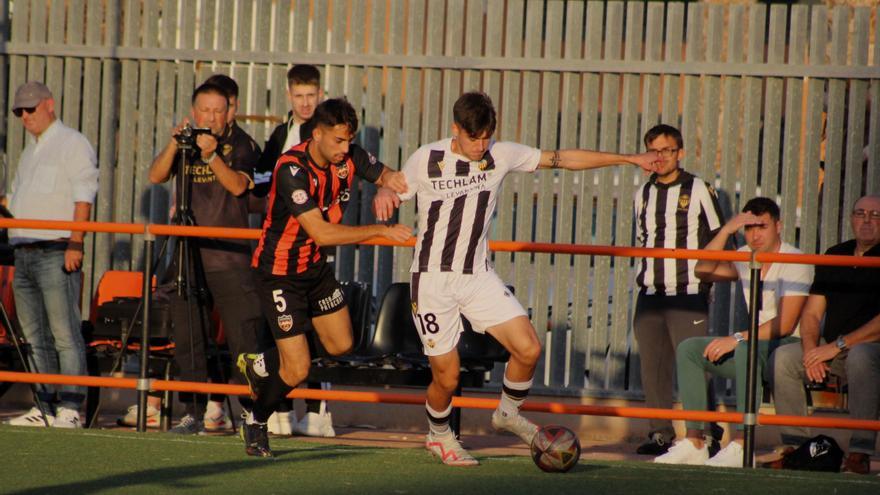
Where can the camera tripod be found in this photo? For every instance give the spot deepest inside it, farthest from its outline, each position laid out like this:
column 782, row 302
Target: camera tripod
column 189, row 281
column 25, row 355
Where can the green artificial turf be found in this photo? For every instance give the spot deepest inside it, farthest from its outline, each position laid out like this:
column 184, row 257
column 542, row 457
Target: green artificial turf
column 39, row 460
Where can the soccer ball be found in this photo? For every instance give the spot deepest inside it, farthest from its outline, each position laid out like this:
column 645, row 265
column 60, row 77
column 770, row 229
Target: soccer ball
column 555, row 449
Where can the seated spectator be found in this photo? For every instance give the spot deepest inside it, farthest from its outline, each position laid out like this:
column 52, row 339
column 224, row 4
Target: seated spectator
column 848, row 298
column 783, row 294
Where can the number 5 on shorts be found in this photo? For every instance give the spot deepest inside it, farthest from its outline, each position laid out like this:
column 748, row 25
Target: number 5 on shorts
column 280, row 303
column 428, row 323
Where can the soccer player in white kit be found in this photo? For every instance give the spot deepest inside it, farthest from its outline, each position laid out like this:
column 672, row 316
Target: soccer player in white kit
column 456, row 182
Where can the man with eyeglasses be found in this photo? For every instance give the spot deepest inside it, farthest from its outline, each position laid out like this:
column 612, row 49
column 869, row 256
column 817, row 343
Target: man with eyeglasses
column 677, row 210
column 57, row 179
column 848, row 299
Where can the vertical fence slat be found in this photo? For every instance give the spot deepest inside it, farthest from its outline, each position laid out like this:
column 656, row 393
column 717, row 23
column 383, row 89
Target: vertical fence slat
column 473, row 41
column 544, row 283
column 752, row 89
column 73, row 66
column 872, row 178
column 623, row 216
column 335, row 80
column 255, row 91
column 674, row 33
column 855, row 128
column 771, row 149
column 812, row 148
column 569, row 369
column 494, row 47
column 369, row 269
column 278, row 72
column 525, row 184
column 146, row 124
column 452, row 48
column 54, row 78
column 794, row 118
column 608, row 141
column 589, row 139
column 411, row 121
column 390, row 151
column 509, row 115
column 690, row 124
column 109, row 93
column 834, row 124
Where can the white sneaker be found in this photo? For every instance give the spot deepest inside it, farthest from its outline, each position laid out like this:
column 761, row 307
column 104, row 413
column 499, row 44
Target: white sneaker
column 131, row 417
column 67, row 418
column 730, row 456
column 316, row 425
column 449, row 450
column 282, row 423
column 215, row 418
column 31, row 418
column 516, row 424
column 684, row 452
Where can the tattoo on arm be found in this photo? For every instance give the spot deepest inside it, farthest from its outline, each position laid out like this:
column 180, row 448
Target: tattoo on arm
column 555, row 160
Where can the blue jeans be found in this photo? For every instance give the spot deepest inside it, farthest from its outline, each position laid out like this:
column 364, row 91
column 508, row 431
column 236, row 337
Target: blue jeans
column 47, row 302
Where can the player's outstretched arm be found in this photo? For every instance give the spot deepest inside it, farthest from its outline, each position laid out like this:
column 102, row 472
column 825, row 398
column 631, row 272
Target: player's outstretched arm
column 384, row 203
column 329, row 234
column 586, row 159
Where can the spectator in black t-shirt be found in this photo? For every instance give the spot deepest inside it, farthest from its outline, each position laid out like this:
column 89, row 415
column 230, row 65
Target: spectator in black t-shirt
column 848, row 298
column 220, row 174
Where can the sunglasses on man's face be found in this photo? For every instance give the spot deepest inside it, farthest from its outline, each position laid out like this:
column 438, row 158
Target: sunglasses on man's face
column 19, row 111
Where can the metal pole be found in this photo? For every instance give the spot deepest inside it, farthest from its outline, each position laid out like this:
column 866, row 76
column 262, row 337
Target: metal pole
column 751, row 413
column 143, row 385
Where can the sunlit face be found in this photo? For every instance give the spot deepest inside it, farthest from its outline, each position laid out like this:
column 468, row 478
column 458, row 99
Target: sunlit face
column 210, row 110
column 764, row 236
column 670, row 154
column 864, row 221
column 471, row 147
column 233, row 109
column 40, row 119
column 303, row 99
column 330, row 144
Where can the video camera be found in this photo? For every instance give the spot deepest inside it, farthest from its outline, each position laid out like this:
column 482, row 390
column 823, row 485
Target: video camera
column 186, row 138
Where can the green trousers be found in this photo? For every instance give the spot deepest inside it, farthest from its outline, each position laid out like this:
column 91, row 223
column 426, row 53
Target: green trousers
column 692, row 369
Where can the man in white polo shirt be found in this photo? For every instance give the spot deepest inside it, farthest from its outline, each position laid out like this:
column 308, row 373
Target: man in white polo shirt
column 783, row 295
column 57, row 179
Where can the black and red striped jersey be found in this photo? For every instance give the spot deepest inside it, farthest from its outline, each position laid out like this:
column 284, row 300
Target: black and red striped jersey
column 300, row 185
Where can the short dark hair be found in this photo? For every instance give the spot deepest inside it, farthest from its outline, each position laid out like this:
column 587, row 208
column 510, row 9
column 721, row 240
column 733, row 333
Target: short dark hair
column 304, row 74
column 227, row 83
column 335, row 111
column 210, row 88
column 758, row 206
column 664, row 130
column 474, row 113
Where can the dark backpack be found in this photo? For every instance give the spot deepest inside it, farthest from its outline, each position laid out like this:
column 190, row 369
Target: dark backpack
column 820, row 453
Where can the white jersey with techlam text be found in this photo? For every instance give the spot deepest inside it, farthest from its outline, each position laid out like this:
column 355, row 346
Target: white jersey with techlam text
column 456, row 200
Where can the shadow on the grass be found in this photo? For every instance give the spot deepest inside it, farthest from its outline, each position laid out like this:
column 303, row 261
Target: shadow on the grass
column 182, row 477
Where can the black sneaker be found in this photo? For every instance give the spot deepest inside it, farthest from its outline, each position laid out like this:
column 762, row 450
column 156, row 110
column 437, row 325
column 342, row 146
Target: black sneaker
column 657, row 445
column 713, row 440
column 256, row 439
column 245, row 363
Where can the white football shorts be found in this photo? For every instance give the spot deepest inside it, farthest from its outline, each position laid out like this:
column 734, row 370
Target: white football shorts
column 439, row 300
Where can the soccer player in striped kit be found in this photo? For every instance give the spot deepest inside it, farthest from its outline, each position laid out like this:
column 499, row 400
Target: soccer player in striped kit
column 456, row 182
column 673, row 209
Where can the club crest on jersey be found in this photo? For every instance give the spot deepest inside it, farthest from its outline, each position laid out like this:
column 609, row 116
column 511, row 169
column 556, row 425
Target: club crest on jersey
column 285, row 322
column 483, row 164
column 342, row 171
column 441, row 164
column 431, row 343
column 372, row 158
column 299, row 196
column 227, row 149
column 415, row 308
column 684, row 201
